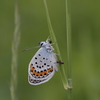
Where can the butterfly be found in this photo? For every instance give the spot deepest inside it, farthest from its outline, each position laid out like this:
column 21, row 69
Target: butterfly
column 43, row 65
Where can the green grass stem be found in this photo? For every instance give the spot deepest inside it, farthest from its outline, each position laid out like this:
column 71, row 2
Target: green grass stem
column 68, row 34
column 62, row 72
column 14, row 64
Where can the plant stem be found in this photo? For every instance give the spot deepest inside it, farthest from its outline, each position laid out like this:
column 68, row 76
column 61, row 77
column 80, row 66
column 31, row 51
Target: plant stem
column 62, row 72
column 14, row 65
column 68, row 32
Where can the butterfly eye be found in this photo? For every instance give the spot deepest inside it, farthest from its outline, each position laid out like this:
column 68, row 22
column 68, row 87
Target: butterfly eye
column 41, row 44
column 50, row 42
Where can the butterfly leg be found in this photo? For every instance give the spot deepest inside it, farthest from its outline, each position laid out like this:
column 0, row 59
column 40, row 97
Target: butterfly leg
column 60, row 62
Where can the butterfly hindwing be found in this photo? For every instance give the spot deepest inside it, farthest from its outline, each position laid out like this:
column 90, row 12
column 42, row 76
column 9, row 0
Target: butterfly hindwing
column 36, row 81
column 42, row 67
column 43, row 64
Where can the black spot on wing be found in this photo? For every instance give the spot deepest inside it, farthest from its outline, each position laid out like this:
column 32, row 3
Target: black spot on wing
column 48, row 65
column 43, row 57
column 46, row 58
column 42, row 66
column 37, row 66
column 35, row 62
column 39, row 54
column 35, row 57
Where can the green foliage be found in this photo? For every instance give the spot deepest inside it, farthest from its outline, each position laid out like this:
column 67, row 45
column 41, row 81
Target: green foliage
column 85, row 25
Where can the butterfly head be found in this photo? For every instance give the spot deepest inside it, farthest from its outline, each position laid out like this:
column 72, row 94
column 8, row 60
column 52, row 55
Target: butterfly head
column 44, row 44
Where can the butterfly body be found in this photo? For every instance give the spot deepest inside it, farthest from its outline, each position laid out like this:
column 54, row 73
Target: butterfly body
column 43, row 65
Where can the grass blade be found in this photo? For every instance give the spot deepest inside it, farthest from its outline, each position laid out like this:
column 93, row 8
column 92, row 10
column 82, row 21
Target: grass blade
column 14, row 65
column 68, row 34
column 62, row 72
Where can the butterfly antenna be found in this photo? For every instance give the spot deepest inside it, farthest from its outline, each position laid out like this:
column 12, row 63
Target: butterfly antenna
column 30, row 48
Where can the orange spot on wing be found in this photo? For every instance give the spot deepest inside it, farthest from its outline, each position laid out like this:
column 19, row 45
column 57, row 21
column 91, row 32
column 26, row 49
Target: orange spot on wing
column 32, row 69
column 34, row 72
column 31, row 65
column 51, row 69
column 41, row 73
column 37, row 74
column 45, row 72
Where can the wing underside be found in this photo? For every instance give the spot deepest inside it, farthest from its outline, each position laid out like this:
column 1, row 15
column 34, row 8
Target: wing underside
column 36, row 81
column 42, row 67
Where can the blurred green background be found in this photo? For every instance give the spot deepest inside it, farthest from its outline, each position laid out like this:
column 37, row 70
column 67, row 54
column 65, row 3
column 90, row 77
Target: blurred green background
column 85, row 25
